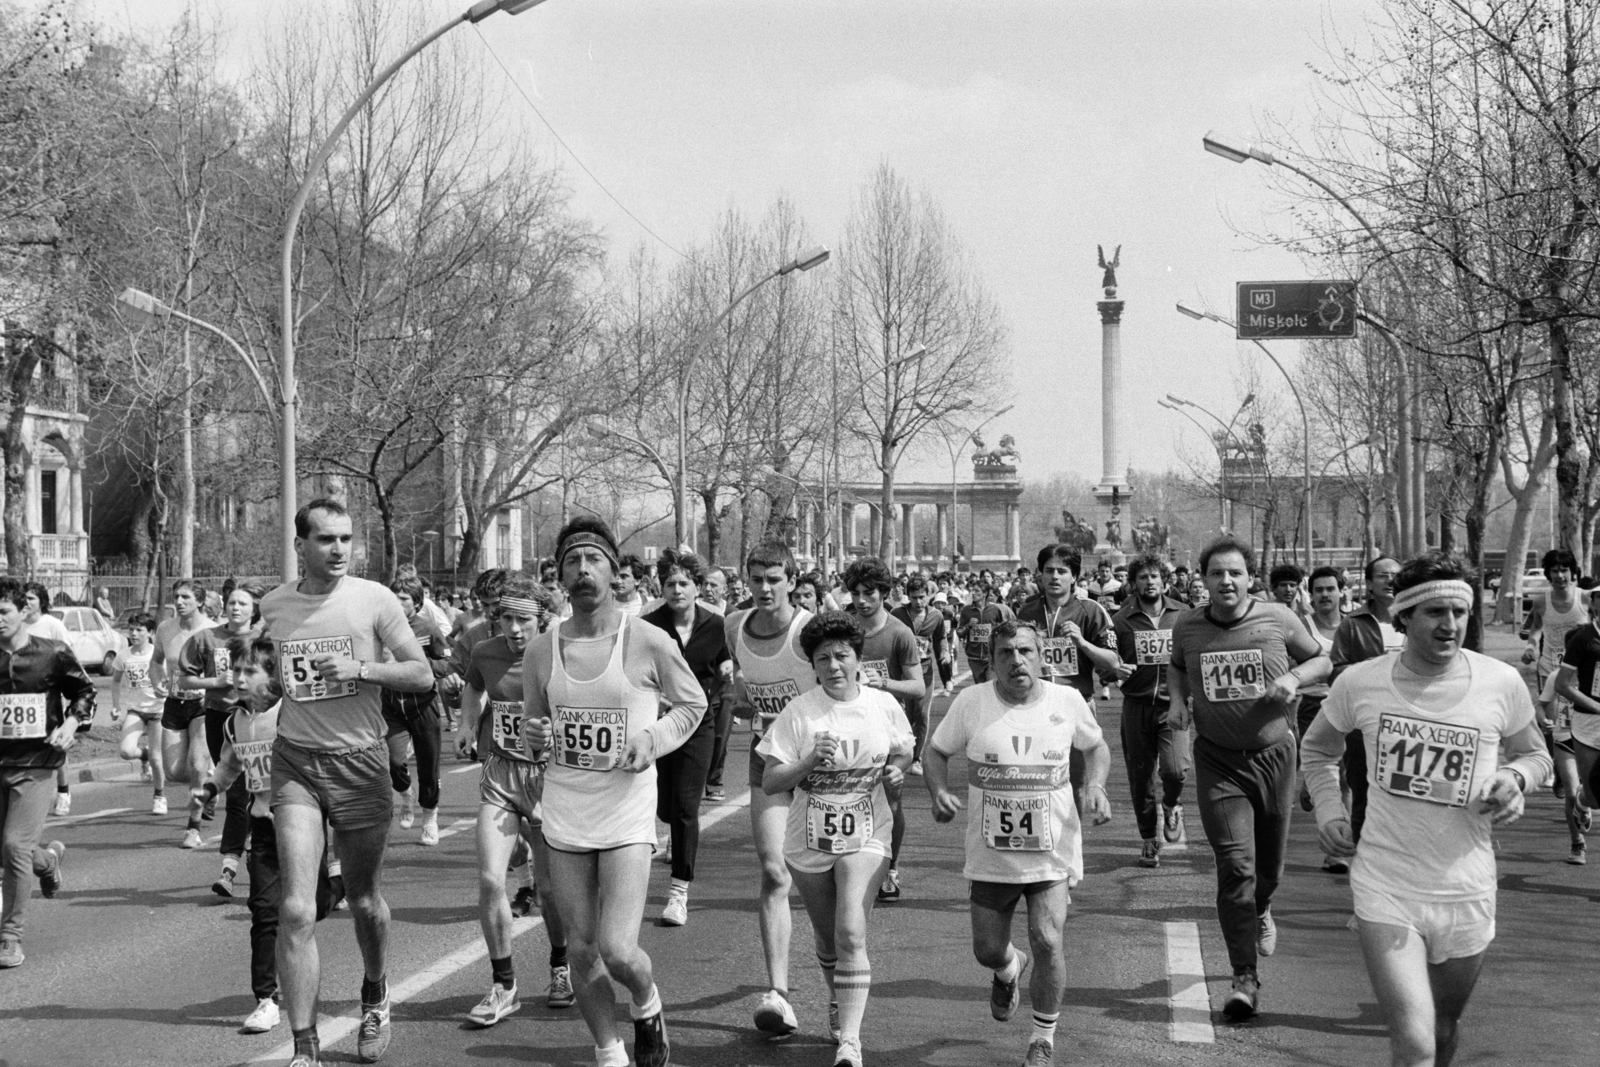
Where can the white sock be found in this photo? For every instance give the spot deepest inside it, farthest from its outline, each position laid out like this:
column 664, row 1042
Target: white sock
column 651, row 1006
column 613, row 1056
column 679, row 888
column 1044, row 1027
column 851, row 985
column 524, row 874
column 1013, row 966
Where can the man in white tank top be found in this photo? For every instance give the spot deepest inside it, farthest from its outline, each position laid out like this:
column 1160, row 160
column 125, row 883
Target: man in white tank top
column 1554, row 616
column 593, row 687
column 770, row 670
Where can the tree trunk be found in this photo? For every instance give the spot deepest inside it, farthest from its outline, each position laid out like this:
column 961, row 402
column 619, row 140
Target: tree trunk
column 885, row 546
column 708, row 498
column 186, row 487
column 391, row 551
column 19, row 542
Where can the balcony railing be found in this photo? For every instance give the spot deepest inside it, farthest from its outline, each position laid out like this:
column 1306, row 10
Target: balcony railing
column 55, row 394
column 57, row 550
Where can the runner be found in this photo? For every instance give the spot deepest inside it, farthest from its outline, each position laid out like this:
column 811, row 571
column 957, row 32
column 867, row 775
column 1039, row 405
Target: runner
column 1024, row 839
column 1284, row 585
column 631, row 571
column 330, row 763
column 891, row 662
column 770, row 669
column 842, row 745
column 1242, row 662
column 1143, row 628
column 1435, row 717
column 1554, row 715
column 600, row 790
column 205, row 666
column 1579, row 683
column 136, row 691
column 1327, row 591
column 808, row 592
column 976, row 622
column 926, row 624
column 44, row 625
column 412, row 719
column 183, row 715
column 1365, row 634
column 509, row 813
column 1554, row 615
column 44, row 698
column 681, row 776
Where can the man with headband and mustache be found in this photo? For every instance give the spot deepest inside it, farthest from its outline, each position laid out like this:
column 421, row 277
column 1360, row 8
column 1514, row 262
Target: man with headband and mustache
column 593, row 689
column 1435, row 718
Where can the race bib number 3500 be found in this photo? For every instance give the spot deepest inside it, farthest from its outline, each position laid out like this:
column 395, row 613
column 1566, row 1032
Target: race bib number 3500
column 22, row 716
column 1060, row 657
column 1426, row 760
column 1152, row 647
column 590, row 739
column 838, row 829
column 1237, row 675
column 770, row 698
column 1017, row 823
column 301, row 682
column 505, row 724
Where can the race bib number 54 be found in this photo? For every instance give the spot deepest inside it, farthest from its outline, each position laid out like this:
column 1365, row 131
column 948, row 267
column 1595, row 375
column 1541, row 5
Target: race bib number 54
column 22, row 716
column 1017, row 824
column 1426, row 760
column 590, row 739
column 1236, row 675
column 301, row 682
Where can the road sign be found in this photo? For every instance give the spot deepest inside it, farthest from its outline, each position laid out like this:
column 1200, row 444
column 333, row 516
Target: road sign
column 1296, row 310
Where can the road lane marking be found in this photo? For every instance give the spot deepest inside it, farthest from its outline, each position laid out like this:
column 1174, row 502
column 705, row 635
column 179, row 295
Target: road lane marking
column 59, row 820
column 468, row 767
column 1188, row 1000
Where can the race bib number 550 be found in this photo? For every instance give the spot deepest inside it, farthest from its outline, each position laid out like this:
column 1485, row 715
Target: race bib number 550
column 1237, row 675
column 22, row 716
column 1426, row 760
column 301, row 682
column 590, row 739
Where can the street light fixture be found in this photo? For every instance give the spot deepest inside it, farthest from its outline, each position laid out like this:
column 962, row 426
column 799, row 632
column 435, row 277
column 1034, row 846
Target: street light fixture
column 955, row 455
column 148, row 308
column 288, row 386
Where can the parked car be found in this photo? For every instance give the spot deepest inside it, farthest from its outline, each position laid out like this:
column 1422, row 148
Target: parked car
column 1534, row 584
column 95, row 642
column 126, row 615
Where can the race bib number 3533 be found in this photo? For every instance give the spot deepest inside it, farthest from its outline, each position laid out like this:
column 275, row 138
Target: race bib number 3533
column 301, row 682
column 590, row 739
column 1426, row 760
column 1237, row 675
column 22, row 716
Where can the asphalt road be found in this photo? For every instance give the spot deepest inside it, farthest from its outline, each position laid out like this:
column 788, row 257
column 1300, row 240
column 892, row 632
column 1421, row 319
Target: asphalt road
column 135, row 962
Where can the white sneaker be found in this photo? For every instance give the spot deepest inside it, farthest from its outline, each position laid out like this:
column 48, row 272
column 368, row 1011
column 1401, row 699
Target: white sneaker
column 430, row 827
column 915, row 768
column 1266, row 934
column 499, row 1003
column 191, row 839
column 407, row 817
column 63, row 804
column 264, row 1018
column 774, row 1016
column 158, row 806
column 676, row 913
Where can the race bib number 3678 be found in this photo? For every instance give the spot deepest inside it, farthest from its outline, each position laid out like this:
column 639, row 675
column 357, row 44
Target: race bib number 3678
column 301, row 681
column 1152, row 647
column 22, row 716
column 1426, row 760
column 1237, row 675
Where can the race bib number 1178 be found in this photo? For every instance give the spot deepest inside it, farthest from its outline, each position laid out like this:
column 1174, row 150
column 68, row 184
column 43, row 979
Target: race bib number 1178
column 1426, row 760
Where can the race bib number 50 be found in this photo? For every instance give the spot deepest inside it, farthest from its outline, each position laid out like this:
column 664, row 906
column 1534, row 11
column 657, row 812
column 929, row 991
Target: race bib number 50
column 838, row 829
column 1426, row 760
column 301, row 682
column 590, row 739
column 22, row 716
column 1237, row 675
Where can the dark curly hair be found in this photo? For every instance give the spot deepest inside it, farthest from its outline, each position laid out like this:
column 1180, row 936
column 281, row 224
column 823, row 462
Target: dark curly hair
column 672, row 559
column 831, row 626
column 871, row 572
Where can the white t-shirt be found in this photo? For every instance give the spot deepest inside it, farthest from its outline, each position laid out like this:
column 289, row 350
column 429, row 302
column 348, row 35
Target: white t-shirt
column 842, row 808
column 50, row 628
column 1022, row 825
column 1424, row 838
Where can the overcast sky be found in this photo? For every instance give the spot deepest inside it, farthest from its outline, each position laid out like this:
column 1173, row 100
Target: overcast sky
column 1042, row 128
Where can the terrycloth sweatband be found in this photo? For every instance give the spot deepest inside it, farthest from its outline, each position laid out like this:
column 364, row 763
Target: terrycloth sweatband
column 586, row 538
column 1449, row 589
column 517, row 605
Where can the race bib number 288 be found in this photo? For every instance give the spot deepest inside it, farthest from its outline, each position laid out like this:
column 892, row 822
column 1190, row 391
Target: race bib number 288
column 22, row 716
column 301, row 681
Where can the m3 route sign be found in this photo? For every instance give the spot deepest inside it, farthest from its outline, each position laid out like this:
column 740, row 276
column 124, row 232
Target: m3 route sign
column 1296, row 310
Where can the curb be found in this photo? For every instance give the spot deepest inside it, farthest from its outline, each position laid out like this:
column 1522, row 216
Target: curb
column 103, row 770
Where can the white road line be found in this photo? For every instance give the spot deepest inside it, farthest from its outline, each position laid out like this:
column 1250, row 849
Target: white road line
column 1187, row 998
column 55, row 821
column 467, row 768
column 456, row 827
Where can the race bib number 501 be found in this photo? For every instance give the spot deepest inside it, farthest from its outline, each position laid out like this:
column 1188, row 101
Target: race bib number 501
column 1237, row 675
column 1060, row 657
column 22, row 716
column 301, row 682
column 590, row 739
column 1426, row 760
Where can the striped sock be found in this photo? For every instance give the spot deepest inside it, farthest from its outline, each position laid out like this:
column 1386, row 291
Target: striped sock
column 828, row 965
column 851, row 985
column 1044, row 1027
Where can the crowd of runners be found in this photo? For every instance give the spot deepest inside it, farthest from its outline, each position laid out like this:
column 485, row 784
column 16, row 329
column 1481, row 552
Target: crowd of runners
column 601, row 695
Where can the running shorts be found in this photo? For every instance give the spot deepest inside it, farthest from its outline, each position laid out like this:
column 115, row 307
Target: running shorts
column 513, row 785
column 349, row 786
column 1451, row 929
column 1004, row 896
column 178, row 714
column 155, row 714
column 1586, row 728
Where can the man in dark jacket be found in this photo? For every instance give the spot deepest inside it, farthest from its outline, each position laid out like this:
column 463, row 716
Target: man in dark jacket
column 1365, row 634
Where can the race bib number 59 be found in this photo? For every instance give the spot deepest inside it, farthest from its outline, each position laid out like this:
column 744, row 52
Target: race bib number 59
column 1426, row 760
column 1237, row 675
column 301, row 682
column 22, row 716
column 590, row 739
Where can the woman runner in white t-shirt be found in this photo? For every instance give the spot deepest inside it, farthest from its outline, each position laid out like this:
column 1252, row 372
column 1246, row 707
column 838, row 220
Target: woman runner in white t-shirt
column 837, row 747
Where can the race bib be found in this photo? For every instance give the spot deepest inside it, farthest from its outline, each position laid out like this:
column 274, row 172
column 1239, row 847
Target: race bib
column 770, row 698
column 1152, row 647
column 1235, row 675
column 505, row 724
column 874, row 670
column 590, row 739
column 1060, row 657
column 978, row 638
column 924, row 649
column 1017, row 823
column 837, row 828
column 22, row 716
column 1426, row 760
column 256, row 757
column 1594, row 684
column 301, row 682
column 136, row 676
column 221, row 662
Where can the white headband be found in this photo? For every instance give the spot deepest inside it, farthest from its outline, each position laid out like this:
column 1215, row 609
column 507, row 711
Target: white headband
column 521, row 606
column 1450, row 589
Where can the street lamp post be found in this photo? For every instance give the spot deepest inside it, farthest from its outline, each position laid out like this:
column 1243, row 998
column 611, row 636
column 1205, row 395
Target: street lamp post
column 144, row 306
column 955, row 485
column 287, row 385
column 1305, row 421
column 1178, row 404
column 1409, row 470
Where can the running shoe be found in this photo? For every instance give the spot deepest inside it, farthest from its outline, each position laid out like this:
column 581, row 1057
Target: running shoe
column 715, row 794
column 1004, row 996
column 264, row 1018
column 1150, row 853
column 560, row 994
column 372, row 1036
column 650, row 1045
column 305, row 1061
column 1585, row 820
column 208, row 810
column 1335, row 865
column 430, row 827
column 11, row 952
column 408, row 817
column 158, row 805
column 63, row 804
column 890, row 889
column 676, row 913
column 915, row 768
column 774, row 1016
column 145, row 773
column 1305, row 798
column 1041, row 1053
column 1266, row 934
column 1172, row 827
column 1244, row 999
column 191, row 839
column 848, row 1054
column 496, row 1005
column 223, row 886
column 50, row 880
column 833, row 1020
column 1577, row 857
column 525, row 903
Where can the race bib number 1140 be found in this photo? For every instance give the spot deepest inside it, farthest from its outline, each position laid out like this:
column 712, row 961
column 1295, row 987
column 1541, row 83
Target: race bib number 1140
column 1237, row 675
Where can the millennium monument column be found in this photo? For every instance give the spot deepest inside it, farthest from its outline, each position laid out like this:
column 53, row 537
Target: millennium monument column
column 1113, row 490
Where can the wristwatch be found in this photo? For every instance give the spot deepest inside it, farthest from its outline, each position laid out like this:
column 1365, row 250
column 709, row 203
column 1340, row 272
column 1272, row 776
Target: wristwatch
column 1522, row 783
column 366, row 669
